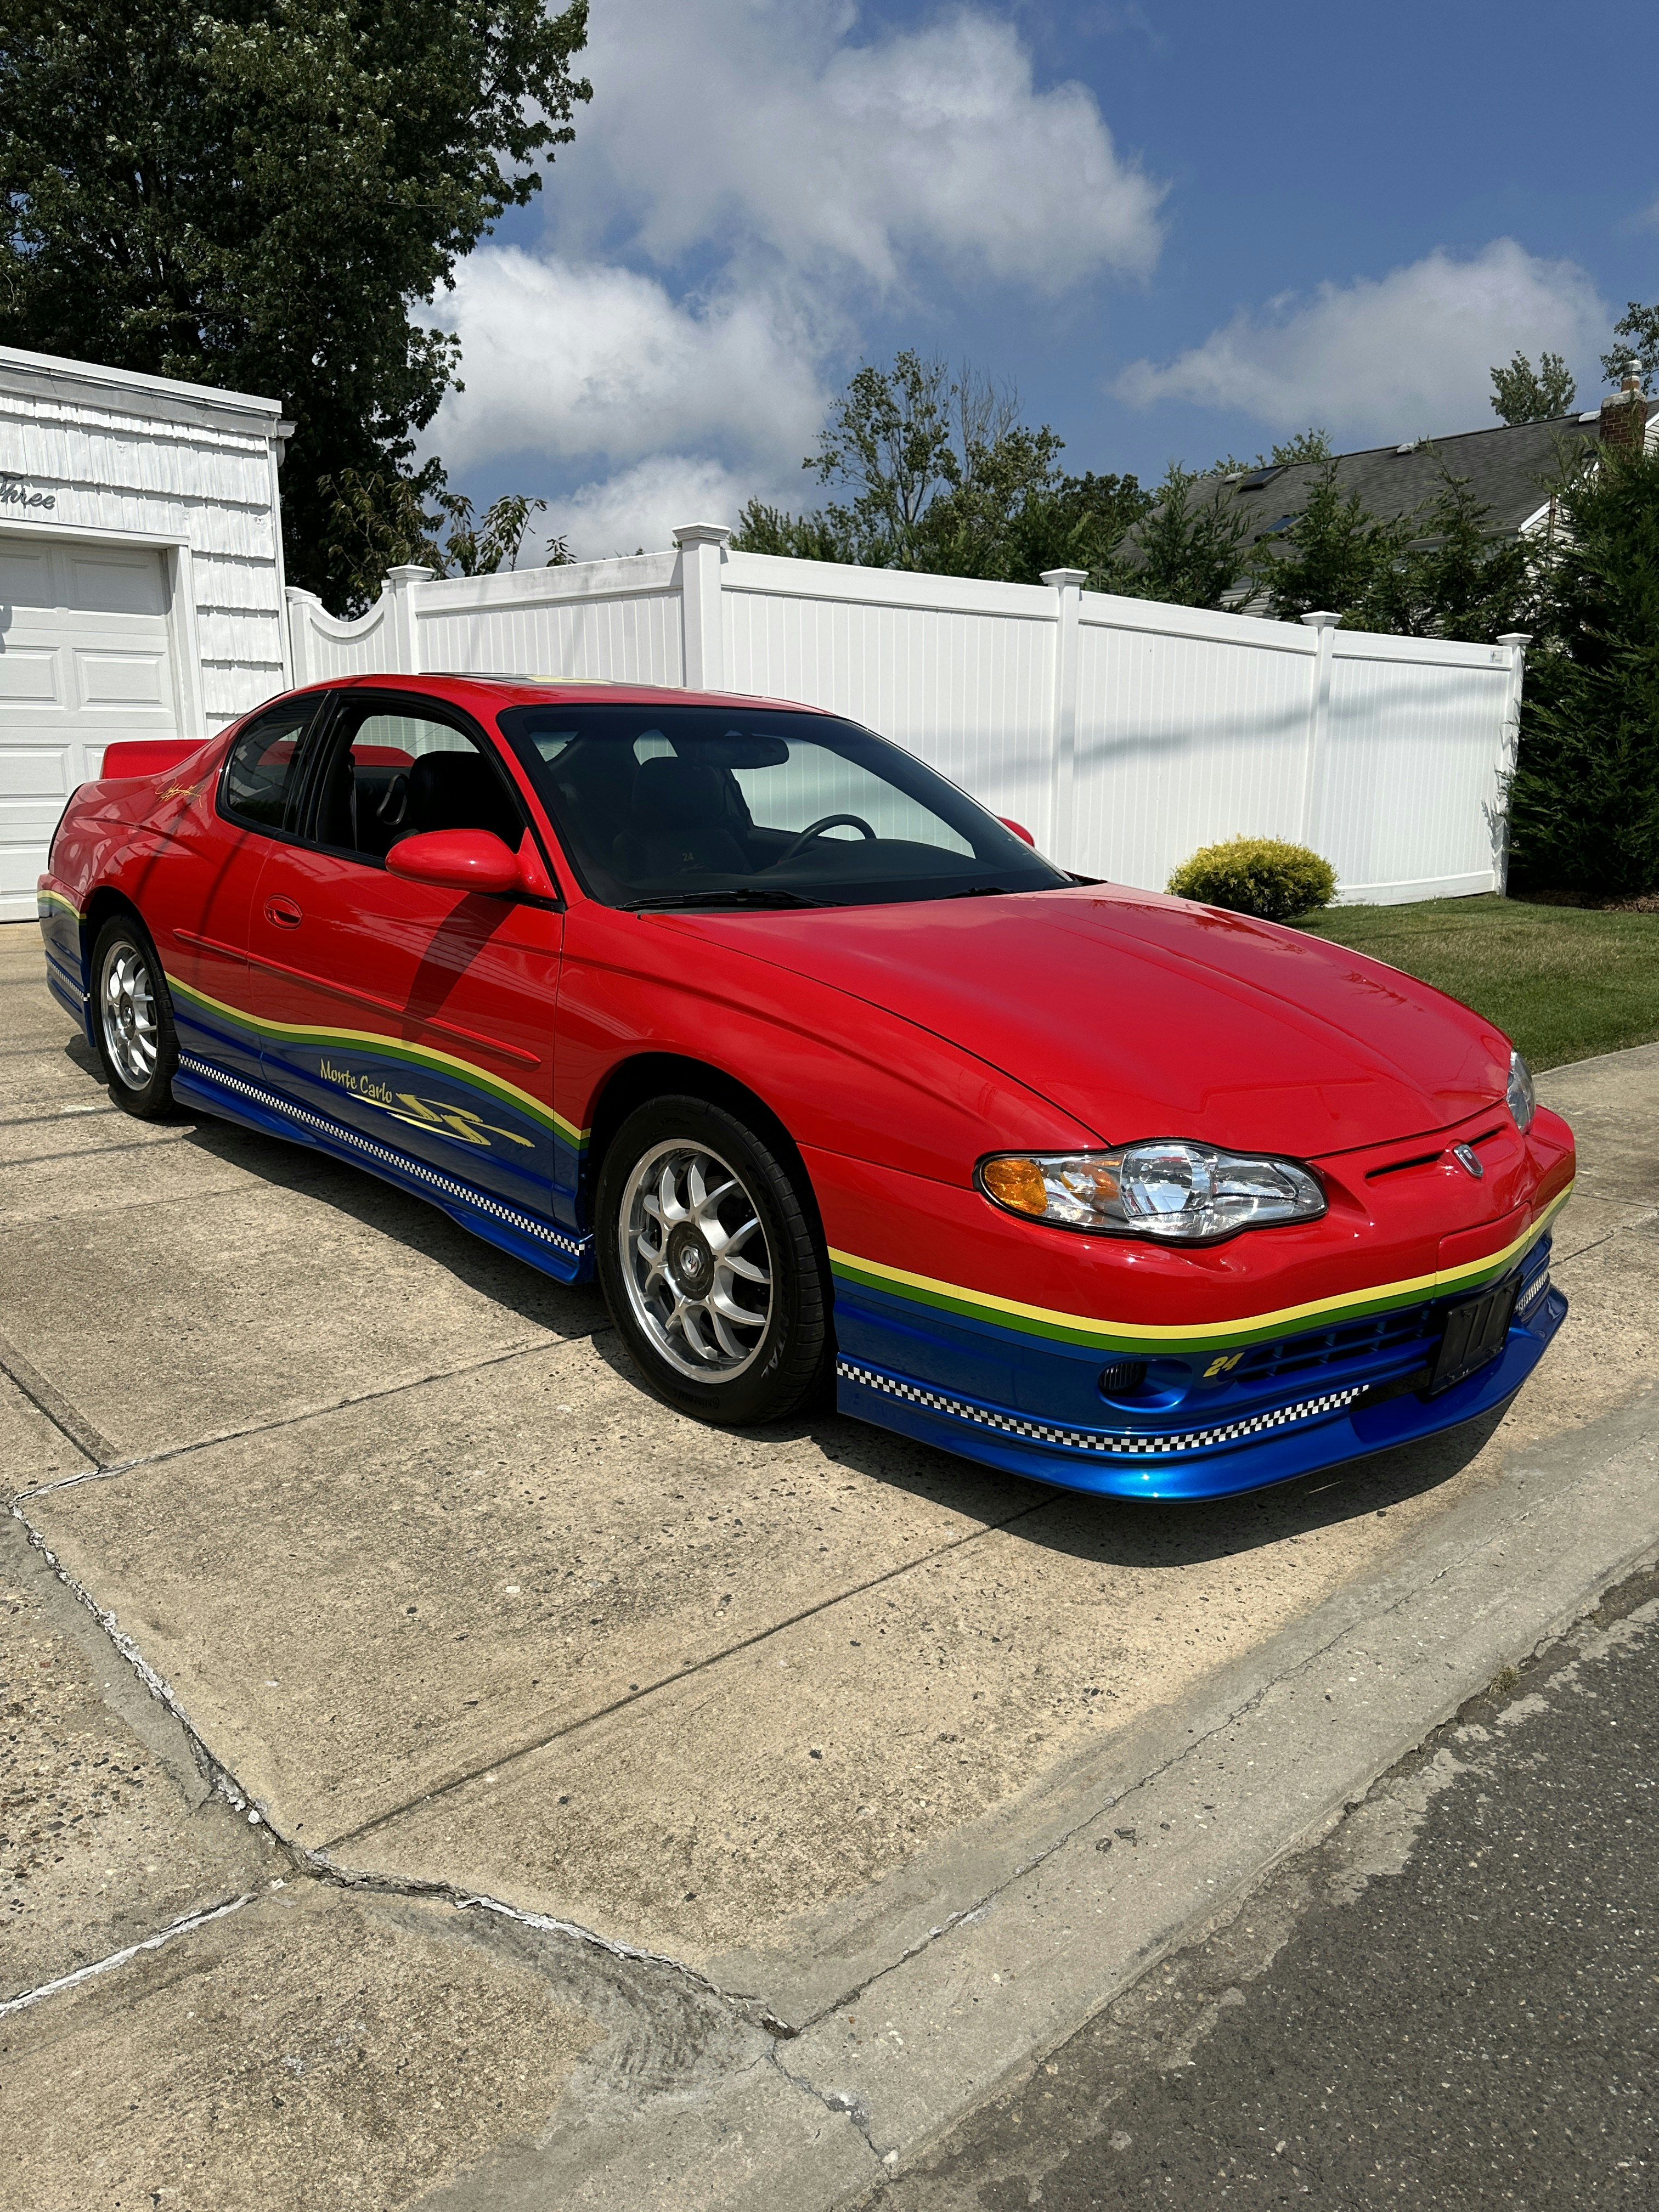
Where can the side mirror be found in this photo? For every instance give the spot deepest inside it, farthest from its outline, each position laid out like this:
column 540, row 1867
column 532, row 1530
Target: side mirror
column 456, row 860
column 1018, row 828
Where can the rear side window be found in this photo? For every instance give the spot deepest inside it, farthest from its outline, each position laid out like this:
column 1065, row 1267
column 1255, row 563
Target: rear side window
column 261, row 783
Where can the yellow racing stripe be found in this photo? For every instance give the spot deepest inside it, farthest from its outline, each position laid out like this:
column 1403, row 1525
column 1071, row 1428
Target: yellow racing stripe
column 1087, row 1328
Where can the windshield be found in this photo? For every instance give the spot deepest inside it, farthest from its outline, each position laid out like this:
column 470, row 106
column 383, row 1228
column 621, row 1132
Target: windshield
column 718, row 805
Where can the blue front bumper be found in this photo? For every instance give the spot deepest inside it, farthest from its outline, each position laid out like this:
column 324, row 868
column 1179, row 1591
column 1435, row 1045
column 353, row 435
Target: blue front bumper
column 1313, row 1402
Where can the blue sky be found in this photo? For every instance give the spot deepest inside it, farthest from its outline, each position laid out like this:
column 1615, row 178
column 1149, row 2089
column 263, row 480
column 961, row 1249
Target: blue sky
column 1179, row 231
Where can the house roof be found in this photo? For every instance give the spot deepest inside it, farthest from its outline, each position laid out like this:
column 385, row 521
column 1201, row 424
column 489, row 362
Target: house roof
column 1509, row 467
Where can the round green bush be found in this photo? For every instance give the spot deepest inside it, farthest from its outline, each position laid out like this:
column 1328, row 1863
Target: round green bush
column 1260, row 876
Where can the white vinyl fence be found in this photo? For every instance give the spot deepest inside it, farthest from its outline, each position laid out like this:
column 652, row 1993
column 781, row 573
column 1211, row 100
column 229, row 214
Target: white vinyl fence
column 1122, row 733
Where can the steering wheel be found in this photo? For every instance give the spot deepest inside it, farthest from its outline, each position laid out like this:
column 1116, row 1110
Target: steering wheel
column 816, row 829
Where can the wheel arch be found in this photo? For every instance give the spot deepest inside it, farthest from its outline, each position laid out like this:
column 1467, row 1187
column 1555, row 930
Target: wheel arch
column 636, row 1081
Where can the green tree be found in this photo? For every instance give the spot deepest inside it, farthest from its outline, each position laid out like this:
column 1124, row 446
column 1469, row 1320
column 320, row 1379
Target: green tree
column 1188, row 550
column 1334, row 554
column 1521, row 394
column 1638, row 326
column 256, row 195
column 1312, row 443
column 1458, row 578
column 384, row 522
column 939, row 473
column 1585, row 807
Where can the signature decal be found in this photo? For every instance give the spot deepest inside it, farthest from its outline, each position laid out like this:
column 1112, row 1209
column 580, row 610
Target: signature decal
column 444, row 1121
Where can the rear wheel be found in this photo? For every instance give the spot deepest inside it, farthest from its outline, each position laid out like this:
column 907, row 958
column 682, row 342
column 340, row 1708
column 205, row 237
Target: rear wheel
column 132, row 1018
column 708, row 1264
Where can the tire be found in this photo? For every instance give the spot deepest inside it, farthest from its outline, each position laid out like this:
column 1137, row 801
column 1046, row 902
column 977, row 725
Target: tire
column 721, row 1300
column 132, row 1020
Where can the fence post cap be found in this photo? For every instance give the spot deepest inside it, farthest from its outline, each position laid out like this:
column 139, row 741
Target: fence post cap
column 1060, row 577
column 702, row 533
column 1515, row 637
column 1322, row 621
column 408, row 572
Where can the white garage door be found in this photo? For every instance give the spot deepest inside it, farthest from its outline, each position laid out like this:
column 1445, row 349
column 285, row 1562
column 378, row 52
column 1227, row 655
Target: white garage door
column 85, row 659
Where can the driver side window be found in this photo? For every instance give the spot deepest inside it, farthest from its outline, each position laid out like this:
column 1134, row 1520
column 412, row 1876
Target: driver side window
column 396, row 775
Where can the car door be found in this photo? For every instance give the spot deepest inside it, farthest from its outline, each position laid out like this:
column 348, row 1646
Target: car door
column 419, row 1018
column 198, row 898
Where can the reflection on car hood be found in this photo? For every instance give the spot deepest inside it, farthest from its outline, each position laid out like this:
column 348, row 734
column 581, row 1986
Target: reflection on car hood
column 1148, row 1017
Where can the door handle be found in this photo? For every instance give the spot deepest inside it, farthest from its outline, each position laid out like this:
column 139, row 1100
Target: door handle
column 283, row 912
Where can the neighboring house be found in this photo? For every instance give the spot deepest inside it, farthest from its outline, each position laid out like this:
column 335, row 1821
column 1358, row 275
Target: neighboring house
column 141, row 578
column 1509, row 469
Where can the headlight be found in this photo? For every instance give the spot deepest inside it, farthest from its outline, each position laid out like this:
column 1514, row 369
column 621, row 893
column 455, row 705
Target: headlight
column 1180, row 1192
column 1523, row 1104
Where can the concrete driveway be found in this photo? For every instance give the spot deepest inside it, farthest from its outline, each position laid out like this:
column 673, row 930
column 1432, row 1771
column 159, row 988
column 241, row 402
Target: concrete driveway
column 436, row 1769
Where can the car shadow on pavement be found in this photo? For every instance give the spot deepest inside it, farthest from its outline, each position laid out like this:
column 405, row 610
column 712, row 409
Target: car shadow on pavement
column 1127, row 1532
column 569, row 1309
column 1134, row 1532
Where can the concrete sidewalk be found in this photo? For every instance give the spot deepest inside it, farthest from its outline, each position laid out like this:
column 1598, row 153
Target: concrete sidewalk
column 629, row 1813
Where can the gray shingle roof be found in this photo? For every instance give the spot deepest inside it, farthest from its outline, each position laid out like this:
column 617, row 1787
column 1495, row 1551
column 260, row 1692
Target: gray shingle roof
column 1509, row 469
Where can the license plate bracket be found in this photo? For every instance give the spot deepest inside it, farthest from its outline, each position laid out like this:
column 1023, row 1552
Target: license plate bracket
column 1474, row 1336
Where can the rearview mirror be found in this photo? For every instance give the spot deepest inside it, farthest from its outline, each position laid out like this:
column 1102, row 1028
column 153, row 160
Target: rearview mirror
column 456, row 860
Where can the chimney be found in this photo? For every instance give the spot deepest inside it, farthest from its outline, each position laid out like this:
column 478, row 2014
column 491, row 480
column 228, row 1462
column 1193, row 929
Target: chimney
column 1624, row 413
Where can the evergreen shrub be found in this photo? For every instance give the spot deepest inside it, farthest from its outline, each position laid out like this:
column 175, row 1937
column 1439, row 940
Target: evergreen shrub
column 1261, row 876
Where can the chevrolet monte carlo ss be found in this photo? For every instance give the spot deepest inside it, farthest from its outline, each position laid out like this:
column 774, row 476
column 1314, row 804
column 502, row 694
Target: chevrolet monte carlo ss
column 826, row 1073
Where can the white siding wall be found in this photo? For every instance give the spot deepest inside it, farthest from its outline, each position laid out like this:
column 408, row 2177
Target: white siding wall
column 1388, row 755
column 145, row 459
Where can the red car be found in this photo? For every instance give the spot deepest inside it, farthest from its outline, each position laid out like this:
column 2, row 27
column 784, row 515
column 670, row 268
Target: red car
column 826, row 1072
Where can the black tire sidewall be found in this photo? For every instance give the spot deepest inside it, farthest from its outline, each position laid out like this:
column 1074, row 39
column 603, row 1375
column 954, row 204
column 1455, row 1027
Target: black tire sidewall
column 155, row 1101
column 795, row 1350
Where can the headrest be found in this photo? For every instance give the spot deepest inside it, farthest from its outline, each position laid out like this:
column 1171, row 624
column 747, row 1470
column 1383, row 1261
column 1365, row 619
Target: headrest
column 674, row 794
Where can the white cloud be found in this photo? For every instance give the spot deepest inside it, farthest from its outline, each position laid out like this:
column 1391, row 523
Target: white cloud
column 749, row 178
column 574, row 360
column 1387, row 358
column 761, row 122
column 641, row 508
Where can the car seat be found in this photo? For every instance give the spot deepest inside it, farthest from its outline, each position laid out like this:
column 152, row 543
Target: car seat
column 460, row 790
column 681, row 823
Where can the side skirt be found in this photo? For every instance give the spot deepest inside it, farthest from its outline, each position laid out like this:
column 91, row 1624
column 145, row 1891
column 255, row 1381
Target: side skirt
column 565, row 1255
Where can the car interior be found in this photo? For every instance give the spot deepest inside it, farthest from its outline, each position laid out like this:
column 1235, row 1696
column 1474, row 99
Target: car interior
column 401, row 777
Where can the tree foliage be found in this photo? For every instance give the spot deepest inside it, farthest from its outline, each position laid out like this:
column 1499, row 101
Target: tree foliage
column 1188, row 550
column 1440, row 571
column 1584, row 809
column 1638, row 326
column 255, row 195
column 389, row 521
column 1521, row 394
column 936, row 472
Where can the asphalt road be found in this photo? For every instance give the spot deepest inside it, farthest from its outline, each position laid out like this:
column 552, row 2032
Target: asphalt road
column 1452, row 2002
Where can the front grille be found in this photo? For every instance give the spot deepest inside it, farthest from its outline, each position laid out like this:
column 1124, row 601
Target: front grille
column 1324, row 1348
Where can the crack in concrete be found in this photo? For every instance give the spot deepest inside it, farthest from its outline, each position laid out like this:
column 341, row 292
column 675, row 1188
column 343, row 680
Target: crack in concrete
column 221, row 1780
column 46, row 1398
column 967, row 1914
column 182, row 1926
column 842, row 2102
column 109, row 1464
column 494, row 1765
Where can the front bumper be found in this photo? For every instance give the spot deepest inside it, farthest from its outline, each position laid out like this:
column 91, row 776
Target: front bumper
column 1307, row 1402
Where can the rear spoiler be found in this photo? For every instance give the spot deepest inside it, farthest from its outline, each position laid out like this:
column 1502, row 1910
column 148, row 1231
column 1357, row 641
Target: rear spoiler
column 145, row 757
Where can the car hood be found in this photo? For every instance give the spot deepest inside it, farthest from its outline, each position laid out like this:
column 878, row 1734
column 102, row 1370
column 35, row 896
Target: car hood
column 1141, row 1016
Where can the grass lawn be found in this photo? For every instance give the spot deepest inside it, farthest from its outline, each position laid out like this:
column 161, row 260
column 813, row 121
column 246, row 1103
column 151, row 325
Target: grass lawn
column 1565, row 982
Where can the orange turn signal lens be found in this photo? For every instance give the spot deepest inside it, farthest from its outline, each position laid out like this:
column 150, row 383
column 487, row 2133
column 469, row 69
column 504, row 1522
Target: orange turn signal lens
column 1018, row 1183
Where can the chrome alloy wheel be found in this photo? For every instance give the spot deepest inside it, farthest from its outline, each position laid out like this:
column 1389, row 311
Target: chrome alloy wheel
column 127, row 1001
column 695, row 1260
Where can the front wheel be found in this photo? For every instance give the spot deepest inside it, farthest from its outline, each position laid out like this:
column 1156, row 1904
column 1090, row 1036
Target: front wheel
column 708, row 1264
column 132, row 1018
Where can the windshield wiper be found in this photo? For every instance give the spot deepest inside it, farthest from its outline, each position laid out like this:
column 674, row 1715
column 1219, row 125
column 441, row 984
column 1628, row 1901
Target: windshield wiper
column 982, row 890
column 750, row 896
